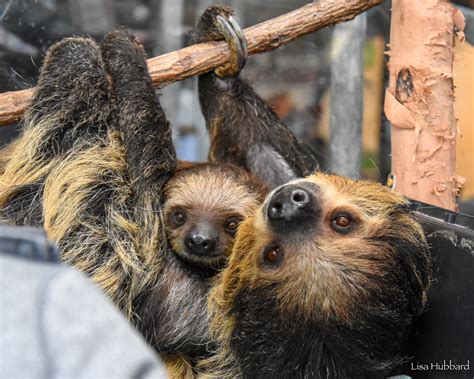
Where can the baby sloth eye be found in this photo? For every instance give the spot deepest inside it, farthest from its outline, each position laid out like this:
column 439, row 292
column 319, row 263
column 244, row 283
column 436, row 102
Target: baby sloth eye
column 341, row 223
column 179, row 217
column 232, row 224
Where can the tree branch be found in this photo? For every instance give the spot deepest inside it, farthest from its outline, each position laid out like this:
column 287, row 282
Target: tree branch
column 204, row 57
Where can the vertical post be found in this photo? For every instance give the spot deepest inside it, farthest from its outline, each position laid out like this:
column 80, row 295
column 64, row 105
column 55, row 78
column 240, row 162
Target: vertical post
column 169, row 32
column 420, row 101
column 93, row 16
column 347, row 81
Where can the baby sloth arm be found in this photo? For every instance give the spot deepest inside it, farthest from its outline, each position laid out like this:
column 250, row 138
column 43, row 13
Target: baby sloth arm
column 244, row 129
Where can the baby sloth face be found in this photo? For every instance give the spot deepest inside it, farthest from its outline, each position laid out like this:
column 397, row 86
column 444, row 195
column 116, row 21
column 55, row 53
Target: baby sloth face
column 340, row 265
column 204, row 208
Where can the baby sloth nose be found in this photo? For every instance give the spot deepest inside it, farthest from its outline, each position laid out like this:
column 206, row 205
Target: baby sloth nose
column 290, row 208
column 199, row 243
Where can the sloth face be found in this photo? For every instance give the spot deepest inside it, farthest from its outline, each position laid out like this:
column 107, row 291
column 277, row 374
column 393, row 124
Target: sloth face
column 332, row 241
column 332, row 262
column 203, row 211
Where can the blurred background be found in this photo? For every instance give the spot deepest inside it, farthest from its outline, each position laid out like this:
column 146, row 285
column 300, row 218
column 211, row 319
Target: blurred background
column 296, row 79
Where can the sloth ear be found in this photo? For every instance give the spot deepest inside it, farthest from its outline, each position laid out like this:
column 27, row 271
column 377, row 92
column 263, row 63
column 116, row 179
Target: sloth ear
column 269, row 166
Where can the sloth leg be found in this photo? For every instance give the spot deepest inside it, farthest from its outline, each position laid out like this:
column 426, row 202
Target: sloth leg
column 71, row 103
column 243, row 128
column 107, row 220
column 141, row 120
column 71, row 107
column 148, row 148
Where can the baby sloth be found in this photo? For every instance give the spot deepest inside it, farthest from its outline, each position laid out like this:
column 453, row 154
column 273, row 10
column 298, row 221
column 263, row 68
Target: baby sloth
column 324, row 282
column 205, row 203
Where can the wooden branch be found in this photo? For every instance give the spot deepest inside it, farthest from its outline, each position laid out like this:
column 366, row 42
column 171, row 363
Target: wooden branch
column 204, row 57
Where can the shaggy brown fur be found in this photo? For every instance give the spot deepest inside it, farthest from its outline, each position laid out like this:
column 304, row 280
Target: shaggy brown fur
column 304, row 296
column 60, row 120
column 5, row 156
column 69, row 171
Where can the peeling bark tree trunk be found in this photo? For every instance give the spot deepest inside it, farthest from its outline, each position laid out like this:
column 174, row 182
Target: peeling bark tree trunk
column 420, row 101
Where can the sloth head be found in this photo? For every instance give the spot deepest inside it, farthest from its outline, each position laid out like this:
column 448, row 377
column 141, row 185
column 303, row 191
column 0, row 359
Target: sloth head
column 204, row 207
column 325, row 279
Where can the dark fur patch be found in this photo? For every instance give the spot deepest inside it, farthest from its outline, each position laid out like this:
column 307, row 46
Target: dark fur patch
column 244, row 129
column 173, row 314
column 24, row 206
column 265, row 344
column 237, row 119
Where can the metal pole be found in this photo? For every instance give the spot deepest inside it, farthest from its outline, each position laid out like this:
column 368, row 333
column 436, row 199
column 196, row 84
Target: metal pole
column 170, row 32
column 347, row 82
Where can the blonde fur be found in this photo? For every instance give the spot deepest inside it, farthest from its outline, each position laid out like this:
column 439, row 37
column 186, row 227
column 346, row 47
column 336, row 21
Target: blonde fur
column 178, row 367
column 72, row 182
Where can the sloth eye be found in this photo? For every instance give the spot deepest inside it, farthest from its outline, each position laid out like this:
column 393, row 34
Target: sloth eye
column 341, row 223
column 232, row 224
column 179, row 217
column 272, row 257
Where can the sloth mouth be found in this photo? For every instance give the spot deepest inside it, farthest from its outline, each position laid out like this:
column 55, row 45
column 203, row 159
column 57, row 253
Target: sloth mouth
column 213, row 261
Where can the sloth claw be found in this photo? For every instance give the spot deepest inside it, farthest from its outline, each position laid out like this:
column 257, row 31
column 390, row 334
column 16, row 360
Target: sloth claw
column 233, row 34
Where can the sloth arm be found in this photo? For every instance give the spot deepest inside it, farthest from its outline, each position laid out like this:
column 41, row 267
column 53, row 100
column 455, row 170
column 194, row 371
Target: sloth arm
column 150, row 155
column 145, row 130
column 243, row 128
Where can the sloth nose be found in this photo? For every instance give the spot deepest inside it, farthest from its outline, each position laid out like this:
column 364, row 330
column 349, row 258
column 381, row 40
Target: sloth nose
column 289, row 203
column 199, row 244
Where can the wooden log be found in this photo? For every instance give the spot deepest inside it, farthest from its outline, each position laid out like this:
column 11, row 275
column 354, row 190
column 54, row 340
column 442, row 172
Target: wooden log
column 204, row 57
column 420, row 101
